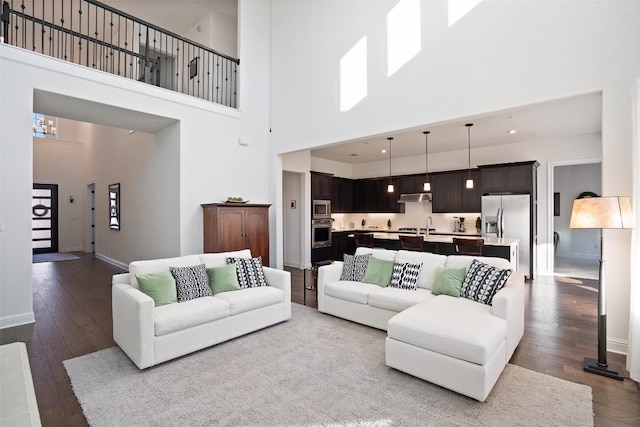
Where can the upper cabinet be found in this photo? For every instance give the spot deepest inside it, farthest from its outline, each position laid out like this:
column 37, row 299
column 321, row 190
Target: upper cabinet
column 342, row 195
column 320, row 186
column 410, row 184
column 449, row 194
column 509, row 177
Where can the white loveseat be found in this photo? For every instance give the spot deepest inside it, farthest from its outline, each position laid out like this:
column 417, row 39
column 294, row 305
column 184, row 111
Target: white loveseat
column 150, row 335
column 457, row 343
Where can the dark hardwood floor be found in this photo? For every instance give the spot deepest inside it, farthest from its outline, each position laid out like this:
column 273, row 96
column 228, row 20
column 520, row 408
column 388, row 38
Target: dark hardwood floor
column 72, row 305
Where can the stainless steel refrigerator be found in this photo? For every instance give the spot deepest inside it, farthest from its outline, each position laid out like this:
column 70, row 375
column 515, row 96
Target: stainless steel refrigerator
column 510, row 216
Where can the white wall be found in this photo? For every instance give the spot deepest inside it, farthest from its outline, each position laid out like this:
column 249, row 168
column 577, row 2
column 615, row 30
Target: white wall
column 493, row 59
column 570, row 181
column 212, row 165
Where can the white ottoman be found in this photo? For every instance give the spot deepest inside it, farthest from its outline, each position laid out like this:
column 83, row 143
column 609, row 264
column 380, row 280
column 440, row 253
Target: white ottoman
column 455, row 343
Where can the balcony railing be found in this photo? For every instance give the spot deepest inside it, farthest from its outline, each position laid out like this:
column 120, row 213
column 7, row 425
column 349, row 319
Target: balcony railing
column 92, row 34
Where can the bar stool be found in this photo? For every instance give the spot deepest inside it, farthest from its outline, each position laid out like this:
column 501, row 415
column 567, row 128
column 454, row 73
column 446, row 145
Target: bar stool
column 468, row 246
column 364, row 240
column 411, row 243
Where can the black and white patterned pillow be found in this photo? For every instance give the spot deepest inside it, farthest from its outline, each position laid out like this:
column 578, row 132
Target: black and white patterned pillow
column 249, row 272
column 405, row 275
column 191, row 282
column 354, row 267
column 483, row 281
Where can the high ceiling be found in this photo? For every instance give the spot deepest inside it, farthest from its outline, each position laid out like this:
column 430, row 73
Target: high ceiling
column 557, row 119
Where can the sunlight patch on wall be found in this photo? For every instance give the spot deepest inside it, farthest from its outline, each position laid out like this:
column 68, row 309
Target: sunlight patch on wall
column 404, row 39
column 353, row 75
column 459, row 8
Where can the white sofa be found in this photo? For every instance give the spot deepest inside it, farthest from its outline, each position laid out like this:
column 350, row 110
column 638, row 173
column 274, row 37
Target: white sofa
column 18, row 405
column 456, row 343
column 151, row 335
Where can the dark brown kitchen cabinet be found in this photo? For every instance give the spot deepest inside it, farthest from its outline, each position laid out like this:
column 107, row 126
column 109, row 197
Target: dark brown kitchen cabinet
column 233, row 227
column 342, row 195
column 446, row 191
column 472, row 197
column 508, row 177
column 410, row 184
column 320, row 186
column 449, row 194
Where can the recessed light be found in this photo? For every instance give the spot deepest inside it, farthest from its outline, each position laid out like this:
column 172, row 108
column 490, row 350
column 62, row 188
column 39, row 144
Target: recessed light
column 353, row 155
column 384, row 150
column 512, row 131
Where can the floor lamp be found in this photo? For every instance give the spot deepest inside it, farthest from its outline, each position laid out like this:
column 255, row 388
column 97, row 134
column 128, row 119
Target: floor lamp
column 602, row 212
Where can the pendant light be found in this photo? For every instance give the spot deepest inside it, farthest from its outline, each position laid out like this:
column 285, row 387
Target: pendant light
column 390, row 188
column 469, row 182
column 427, row 185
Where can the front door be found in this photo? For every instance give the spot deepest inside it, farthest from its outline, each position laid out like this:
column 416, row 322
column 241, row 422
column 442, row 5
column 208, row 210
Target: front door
column 44, row 218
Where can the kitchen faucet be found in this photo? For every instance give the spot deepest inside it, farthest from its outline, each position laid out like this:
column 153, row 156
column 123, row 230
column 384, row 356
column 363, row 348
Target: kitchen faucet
column 429, row 223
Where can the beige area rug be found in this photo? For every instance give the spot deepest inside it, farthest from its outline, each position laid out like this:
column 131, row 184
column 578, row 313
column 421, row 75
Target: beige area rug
column 314, row 370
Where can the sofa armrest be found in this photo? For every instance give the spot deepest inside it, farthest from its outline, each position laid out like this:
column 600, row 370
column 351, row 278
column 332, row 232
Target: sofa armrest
column 120, row 279
column 133, row 328
column 508, row 304
column 282, row 280
column 327, row 274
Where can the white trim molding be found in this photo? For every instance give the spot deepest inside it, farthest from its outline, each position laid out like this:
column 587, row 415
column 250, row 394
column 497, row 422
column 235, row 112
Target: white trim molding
column 112, row 261
column 17, row 320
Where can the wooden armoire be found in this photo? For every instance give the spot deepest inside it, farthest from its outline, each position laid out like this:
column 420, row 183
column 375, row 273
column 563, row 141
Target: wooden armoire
column 236, row 226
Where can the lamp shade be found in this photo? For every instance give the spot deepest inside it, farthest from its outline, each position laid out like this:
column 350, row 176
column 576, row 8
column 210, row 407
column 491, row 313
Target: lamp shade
column 601, row 212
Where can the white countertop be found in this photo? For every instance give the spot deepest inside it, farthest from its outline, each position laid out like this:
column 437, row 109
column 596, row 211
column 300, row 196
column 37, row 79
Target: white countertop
column 490, row 241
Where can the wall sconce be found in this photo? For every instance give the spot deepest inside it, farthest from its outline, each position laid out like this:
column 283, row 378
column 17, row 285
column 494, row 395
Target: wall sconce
column 71, row 199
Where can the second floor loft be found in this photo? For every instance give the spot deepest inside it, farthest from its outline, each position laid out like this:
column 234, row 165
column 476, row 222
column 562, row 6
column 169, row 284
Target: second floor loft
column 98, row 36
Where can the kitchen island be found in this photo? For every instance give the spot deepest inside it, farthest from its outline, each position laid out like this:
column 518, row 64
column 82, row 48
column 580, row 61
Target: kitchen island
column 502, row 247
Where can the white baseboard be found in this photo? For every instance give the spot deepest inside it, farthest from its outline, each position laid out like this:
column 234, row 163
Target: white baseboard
column 113, row 261
column 17, row 320
column 294, row 264
column 78, row 249
column 615, row 345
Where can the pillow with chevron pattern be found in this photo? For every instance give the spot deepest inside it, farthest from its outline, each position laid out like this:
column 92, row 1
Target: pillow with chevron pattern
column 483, row 281
column 405, row 275
column 249, row 272
column 191, row 282
column 354, row 267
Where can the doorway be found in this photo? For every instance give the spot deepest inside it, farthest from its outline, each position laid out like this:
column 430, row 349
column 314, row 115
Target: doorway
column 44, row 218
column 575, row 252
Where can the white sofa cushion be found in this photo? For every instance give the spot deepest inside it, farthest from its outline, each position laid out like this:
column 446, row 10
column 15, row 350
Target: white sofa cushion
column 459, row 261
column 251, row 298
column 396, row 299
column 159, row 265
column 385, row 254
column 350, row 291
column 430, row 262
column 219, row 259
column 456, row 327
column 177, row 316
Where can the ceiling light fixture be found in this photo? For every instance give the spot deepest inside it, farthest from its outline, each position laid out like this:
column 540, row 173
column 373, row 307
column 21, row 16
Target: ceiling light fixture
column 390, row 188
column 427, row 185
column 512, row 131
column 469, row 182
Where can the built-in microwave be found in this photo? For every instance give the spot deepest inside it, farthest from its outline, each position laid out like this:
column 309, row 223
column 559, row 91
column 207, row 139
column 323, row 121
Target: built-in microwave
column 321, row 209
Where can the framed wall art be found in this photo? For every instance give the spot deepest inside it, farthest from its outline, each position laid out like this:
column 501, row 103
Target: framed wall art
column 114, row 206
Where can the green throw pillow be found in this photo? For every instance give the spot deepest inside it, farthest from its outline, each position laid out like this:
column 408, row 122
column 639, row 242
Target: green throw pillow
column 161, row 287
column 448, row 281
column 223, row 279
column 378, row 272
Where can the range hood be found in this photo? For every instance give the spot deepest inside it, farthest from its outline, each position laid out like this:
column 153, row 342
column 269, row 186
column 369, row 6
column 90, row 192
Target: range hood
column 415, row 198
